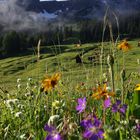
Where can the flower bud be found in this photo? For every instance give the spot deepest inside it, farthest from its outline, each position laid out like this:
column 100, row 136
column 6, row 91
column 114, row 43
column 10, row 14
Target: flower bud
column 123, row 75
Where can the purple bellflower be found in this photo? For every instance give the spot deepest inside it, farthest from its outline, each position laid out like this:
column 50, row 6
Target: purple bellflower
column 118, row 107
column 93, row 130
column 81, row 104
column 107, row 103
column 138, row 128
column 52, row 133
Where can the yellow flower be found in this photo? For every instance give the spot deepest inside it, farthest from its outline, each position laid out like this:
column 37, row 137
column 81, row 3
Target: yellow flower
column 56, row 104
column 124, row 46
column 102, row 93
column 50, row 82
column 137, row 87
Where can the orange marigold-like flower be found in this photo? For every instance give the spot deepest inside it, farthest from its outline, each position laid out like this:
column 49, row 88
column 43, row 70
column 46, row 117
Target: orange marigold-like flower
column 50, row 82
column 102, row 93
column 124, row 46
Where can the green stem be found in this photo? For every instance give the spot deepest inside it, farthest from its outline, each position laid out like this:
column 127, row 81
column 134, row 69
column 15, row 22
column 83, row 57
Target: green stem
column 112, row 77
column 104, row 116
column 121, row 137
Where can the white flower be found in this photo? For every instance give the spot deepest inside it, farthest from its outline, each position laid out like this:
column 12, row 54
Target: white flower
column 27, row 94
column 45, row 107
column 20, row 106
column 18, row 114
column 18, row 80
column 29, row 79
column 19, row 86
column 27, row 86
column 22, row 136
column 136, row 121
column 52, row 119
column 10, row 102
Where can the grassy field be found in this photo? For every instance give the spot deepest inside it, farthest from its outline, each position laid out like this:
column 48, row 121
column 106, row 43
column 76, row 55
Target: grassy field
column 62, row 59
column 26, row 106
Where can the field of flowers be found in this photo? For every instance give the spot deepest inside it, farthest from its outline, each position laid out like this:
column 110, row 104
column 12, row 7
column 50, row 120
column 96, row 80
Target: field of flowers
column 52, row 108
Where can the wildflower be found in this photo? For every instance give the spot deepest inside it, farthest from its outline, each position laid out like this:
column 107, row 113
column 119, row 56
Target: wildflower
column 81, row 104
column 107, row 103
column 102, row 93
column 29, row 79
column 53, row 119
column 23, row 136
column 18, row 114
column 117, row 107
column 18, row 80
column 93, row 130
column 84, row 122
column 137, row 87
column 56, row 104
column 124, row 46
column 50, row 82
column 138, row 128
column 19, row 86
column 53, row 134
column 10, row 102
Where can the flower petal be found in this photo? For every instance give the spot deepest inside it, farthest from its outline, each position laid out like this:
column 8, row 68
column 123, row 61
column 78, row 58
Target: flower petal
column 87, row 134
column 48, row 128
column 100, row 134
column 107, row 103
column 122, row 110
column 114, row 108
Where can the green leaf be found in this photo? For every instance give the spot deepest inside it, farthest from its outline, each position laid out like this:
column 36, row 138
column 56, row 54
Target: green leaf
column 136, row 104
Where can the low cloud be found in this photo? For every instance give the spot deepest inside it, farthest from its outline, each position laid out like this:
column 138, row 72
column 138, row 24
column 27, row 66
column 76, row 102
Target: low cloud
column 14, row 16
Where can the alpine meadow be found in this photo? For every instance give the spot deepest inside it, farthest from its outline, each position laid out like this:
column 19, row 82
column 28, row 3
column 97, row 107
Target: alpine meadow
column 69, row 70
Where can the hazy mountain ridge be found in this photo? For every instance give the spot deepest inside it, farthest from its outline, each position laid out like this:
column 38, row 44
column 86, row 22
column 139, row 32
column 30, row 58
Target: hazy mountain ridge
column 35, row 15
column 85, row 8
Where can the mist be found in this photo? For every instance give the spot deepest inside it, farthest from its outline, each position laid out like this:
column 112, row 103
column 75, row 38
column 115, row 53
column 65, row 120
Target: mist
column 13, row 16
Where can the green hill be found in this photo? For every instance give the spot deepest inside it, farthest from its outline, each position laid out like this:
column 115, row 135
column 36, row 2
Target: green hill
column 61, row 58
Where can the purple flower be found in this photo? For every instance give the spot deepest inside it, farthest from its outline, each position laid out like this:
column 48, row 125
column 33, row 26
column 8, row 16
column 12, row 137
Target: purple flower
column 52, row 133
column 138, row 128
column 107, row 103
column 93, row 129
column 117, row 107
column 85, row 123
column 81, row 105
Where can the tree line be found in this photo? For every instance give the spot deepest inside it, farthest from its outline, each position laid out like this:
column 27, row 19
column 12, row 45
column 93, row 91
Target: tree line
column 14, row 43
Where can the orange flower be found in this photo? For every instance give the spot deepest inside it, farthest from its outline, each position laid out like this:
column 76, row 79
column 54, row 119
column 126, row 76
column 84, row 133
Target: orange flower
column 124, row 46
column 50, row 82
column 102, row 93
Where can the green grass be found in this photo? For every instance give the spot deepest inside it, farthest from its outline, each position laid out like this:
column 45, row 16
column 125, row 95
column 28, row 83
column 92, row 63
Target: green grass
column 35, row 106
column 61, row 58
